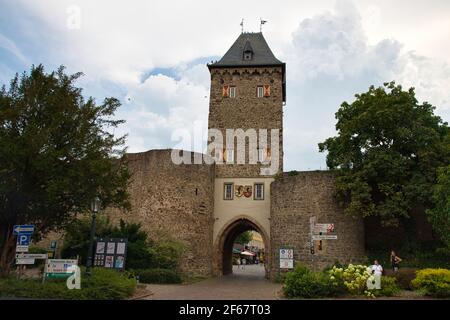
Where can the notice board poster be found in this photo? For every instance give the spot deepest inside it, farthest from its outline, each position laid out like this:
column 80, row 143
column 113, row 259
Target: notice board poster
column 111, row 253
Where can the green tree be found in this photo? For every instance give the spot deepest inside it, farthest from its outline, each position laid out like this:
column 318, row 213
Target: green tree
column 386, row 153
column 77, row 240
column 439, row 215
column 244, row 238
column 56, row 153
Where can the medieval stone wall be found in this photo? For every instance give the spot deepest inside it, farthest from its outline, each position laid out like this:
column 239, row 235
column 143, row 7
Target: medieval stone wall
column 294, row 199
column 246, row 110
column 174, row 200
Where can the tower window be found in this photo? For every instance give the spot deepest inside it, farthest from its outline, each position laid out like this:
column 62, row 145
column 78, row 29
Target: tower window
column 229, row 91
column 247, row 55
column 225, row 92
column 232, row 93
column 260, row 91
column 228, row 191
column 259, row 191
column 264, row 155
column 263, row 91
column 229, row 155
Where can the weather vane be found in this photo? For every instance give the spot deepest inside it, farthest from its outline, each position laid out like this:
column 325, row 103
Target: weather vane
column 242, row 25
column 262, row 22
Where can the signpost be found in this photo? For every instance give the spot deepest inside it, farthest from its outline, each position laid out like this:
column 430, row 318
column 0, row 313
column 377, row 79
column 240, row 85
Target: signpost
column 22, row 261
column 59, row 268
column 23, row 233
column 323, row 228
column 286, row 258
column 31, row 256
column 20, row 229
column 324, row 237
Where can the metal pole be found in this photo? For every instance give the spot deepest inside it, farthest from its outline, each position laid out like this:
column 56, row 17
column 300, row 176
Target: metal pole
column 91, row 246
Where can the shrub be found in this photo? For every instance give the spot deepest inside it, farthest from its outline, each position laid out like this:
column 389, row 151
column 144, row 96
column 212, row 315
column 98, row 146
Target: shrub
column 103, row 284
column 158, row 276
column 433, row 282
column 389, row 287
column 303, row 283
column 166, row 254
column 353, row 278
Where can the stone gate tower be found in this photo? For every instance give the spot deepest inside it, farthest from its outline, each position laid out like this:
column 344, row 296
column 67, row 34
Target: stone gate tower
column 248, row 92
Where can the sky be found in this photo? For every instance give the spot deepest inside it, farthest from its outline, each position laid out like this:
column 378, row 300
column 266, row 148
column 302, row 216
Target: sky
column 152, row 56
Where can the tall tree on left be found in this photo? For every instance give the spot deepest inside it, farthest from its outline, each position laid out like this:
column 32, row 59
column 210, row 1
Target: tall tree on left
column 57, row 152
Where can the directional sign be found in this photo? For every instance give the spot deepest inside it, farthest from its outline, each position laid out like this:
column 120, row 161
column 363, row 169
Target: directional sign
column 24, row 261
column 31, row 256
column 323, row 228
column 26, row 228
column 324, row 237
column 21, row 248
column 59, row 268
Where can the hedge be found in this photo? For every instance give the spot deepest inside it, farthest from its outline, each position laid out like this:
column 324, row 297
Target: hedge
column 158, row 276
column 103, row 284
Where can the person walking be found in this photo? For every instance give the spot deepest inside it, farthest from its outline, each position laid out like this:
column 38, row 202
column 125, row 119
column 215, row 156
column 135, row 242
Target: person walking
column 395, row 261
column 244, row 262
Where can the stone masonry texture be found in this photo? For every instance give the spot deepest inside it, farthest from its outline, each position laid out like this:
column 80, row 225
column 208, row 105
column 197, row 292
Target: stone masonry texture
column 173, row 200
column 246, row 111
column 294, row 199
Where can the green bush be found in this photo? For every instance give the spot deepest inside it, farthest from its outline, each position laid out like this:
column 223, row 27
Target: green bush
column 433, row 282
column 389, row 287
column 166, row 254
column 103, row 284
column 158, row 276
column 303, row 283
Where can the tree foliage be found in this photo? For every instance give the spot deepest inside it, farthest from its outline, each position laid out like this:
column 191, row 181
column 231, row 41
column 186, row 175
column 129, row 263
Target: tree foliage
column 56, row 153
column 386, row 153
column 244, row 238
column 439, row 215
column 142, row 253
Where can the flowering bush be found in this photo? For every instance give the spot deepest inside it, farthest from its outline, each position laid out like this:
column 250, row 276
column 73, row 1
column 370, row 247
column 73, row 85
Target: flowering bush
column 433, row 282
column 353, row 279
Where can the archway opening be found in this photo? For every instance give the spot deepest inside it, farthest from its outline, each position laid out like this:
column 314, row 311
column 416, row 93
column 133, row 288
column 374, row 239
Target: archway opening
column 244, row 248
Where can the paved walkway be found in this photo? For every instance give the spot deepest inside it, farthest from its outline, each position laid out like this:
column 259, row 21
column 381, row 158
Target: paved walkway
column 248, row 283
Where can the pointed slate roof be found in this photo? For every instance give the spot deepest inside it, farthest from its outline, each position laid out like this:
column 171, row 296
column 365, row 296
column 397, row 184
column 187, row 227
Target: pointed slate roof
column 262, row 55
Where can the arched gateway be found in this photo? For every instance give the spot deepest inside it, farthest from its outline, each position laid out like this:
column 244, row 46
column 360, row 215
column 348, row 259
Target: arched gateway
column 205, row 206
column 223, row 249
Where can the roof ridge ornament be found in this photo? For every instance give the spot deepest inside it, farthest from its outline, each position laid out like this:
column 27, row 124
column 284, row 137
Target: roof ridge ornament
column 242, row 25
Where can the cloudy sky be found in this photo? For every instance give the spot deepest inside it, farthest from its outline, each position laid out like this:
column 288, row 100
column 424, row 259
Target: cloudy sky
column 152, row 56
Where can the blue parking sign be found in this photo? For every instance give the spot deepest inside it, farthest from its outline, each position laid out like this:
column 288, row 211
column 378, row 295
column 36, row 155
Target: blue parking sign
column 23, row 239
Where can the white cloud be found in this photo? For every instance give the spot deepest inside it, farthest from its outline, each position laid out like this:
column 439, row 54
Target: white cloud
column 330, row 56
column 330, row 60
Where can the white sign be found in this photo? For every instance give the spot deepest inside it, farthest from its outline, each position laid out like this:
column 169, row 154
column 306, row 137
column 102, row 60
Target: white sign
column 21, row 248
column 24, row 261
column 324, row 237
column 286, row 254
column 60, row 266
column 324, row 228
column 286, row 264
column 31, row 256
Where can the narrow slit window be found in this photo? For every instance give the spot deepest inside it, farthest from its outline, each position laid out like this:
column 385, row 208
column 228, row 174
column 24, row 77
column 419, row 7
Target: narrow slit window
column 259, row 191
column 228, row 191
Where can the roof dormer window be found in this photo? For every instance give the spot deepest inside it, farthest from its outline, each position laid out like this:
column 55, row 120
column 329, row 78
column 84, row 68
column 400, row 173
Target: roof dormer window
column 248, row 51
